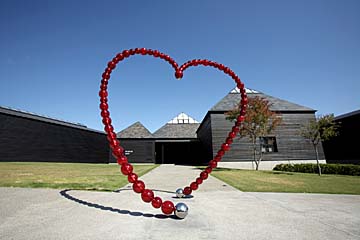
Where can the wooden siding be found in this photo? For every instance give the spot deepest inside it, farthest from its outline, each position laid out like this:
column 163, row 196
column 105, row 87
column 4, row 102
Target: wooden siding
column 291, row 146
column 205, row 136
column 343, row 148
column 139, row 150
column 28, row 140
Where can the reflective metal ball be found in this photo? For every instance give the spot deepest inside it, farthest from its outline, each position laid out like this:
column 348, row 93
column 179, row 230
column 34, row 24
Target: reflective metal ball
column 181, row 210
column 179, row 193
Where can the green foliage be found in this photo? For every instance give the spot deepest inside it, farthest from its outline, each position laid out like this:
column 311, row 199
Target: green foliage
column 81, row 176
column 320, row 129
column 259, row 119
column 340, row 169
column 275, row 181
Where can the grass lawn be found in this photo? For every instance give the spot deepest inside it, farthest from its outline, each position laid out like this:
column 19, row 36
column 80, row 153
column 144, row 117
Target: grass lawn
column 102, row 177
column 274, row 181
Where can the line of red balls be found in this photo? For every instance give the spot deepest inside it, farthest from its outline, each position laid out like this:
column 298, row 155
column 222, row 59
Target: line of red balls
column 147, row 195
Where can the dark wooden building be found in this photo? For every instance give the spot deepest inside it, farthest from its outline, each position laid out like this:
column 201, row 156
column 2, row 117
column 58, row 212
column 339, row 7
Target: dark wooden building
column 138, row 143
column 27, row 137
column 283, row 146
column 176, row 142
column 344, row 147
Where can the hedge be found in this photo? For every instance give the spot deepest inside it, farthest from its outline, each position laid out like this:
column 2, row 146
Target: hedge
column 341, row 169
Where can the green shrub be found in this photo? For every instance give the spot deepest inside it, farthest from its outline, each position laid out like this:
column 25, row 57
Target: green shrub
column 341, row 169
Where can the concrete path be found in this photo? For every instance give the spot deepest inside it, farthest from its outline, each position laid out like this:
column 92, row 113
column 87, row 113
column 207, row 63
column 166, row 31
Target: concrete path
column 217, row 211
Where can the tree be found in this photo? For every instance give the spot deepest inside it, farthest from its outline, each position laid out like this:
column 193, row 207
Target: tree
column 259, row 122
column 321, row 128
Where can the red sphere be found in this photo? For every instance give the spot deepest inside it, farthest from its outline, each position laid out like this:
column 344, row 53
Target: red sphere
column 178, row 74
column 111, row 135
column 104, row 106
column 105, row 113
column 229, row 140
column 126, row 53
column 132, row 177
column 213, row 164
column 111, row 65
column 199, row 181
column 217, row 158
column 105, row 75
column 118, row 151
column 240, row 118
column 187, row 191
column 126, row 168
column 167, row 207
column 225, row 147
column 103, row 87
column 103, row 93
column 244, row 101
column 119, row 57
column 109, row 128
column 221, row 153
column 138, row 186
column 235, row 129
column 204, row 175
column 208, row 170
column 232, row 134
column 156, row 202
column 122, row 160
column 106, row 121
column 241, row 86
column 194, row 186
column 114, row 143
column 143, row 51
column 147, row 195
column 156, row 53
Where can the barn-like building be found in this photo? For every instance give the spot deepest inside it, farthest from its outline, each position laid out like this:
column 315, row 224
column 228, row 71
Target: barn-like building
column 28, row 137
column 183, row 140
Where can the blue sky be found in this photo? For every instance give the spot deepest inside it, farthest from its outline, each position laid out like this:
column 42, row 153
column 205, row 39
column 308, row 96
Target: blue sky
column 52, row 54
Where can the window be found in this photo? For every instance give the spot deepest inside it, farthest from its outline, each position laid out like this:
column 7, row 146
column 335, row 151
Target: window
column 268, row 144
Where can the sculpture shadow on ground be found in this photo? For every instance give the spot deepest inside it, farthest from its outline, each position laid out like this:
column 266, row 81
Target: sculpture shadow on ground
column 65, row 194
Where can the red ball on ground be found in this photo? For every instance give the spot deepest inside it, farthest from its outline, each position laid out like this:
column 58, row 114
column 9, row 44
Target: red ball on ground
column 126, row 169
column 147, row 195
column 138, row 186
column 167, row 207
column 156, row 202
column 187, row 191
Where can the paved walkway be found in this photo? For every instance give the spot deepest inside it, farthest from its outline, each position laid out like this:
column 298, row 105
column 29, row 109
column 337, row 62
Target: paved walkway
column 217, row 211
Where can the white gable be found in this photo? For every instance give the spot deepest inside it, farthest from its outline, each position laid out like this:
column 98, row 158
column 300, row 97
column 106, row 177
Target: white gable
column 182, row 118
column 247, row 90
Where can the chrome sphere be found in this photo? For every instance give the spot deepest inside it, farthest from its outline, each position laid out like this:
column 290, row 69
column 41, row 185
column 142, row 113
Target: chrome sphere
column 181, row 210
column 179, row 193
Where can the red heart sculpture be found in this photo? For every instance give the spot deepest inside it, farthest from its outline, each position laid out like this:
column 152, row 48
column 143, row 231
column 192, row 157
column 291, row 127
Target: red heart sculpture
column 147, row 195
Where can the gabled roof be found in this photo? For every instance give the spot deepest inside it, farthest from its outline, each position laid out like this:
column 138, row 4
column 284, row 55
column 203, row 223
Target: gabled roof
column 46, row 119
column 232, row 99
column 355, row 113
column 136, row 130
column 182, row 118
column 177, row 131
column 182, row 126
